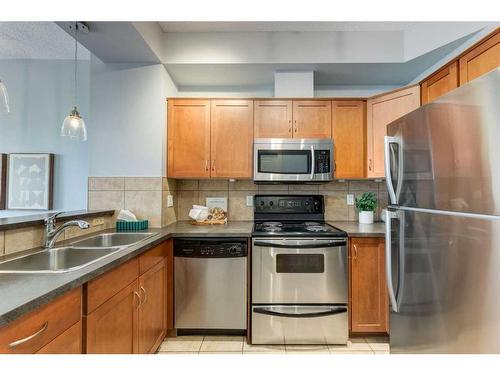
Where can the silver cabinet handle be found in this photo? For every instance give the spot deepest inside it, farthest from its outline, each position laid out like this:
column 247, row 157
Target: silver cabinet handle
column 213, row 165
column 369, row 164
column 31, row 337
column 139, row 299
column 145, row 296
column 206, row 165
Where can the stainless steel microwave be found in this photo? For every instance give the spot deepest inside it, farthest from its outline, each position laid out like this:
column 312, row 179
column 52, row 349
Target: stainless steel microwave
column 292, row 160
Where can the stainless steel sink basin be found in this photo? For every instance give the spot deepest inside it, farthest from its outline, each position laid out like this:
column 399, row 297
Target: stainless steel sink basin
column 56, row 260
column 112, row 240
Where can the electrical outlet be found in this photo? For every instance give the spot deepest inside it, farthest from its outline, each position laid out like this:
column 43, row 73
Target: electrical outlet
column 249, row 200
column 170, row 200
column 350, row 199
column 97, row 221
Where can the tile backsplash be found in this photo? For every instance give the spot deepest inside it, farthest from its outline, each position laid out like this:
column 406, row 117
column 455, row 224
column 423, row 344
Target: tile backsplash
column 147, row 196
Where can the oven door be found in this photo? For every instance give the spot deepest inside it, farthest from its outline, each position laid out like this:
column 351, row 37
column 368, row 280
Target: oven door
column 295, row 271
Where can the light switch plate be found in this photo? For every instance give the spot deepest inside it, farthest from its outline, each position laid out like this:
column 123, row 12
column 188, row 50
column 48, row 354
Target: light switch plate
column 350, row 199
column 170, row 200
column 249, row 200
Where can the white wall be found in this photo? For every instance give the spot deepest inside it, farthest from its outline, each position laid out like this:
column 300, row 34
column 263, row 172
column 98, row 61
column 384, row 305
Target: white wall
column 41, row 95
column 127, row 137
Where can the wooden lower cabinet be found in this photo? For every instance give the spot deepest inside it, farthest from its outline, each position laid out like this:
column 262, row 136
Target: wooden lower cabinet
column 369, row 309
column 68, row 342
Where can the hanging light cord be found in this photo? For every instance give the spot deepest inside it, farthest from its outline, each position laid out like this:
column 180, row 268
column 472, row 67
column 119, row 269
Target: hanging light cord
column 76, row 56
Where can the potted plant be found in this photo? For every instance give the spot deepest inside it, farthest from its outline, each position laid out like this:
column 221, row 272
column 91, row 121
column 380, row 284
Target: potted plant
column 366, row 205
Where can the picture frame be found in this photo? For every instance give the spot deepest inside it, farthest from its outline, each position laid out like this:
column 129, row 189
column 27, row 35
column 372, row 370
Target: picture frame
column 30, row 181
column 3, row 180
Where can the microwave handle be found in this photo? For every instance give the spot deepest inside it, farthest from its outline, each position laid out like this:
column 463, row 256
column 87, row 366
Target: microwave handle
column 312, row 162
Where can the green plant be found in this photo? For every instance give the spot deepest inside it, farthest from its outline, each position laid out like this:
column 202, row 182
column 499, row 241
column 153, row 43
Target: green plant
column 367, row 202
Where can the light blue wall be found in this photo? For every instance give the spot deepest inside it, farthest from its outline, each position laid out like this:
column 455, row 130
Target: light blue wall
column 41, row 95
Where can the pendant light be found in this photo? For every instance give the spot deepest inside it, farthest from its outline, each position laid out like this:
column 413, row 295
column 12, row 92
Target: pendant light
column 73, row 125
column 4, row 98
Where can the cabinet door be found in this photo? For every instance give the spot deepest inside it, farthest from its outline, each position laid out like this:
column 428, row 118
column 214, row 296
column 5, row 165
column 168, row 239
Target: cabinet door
column 349, row 138
column 273, row 119
column 68, row 342
column 152, row 308
column 312, row 119
column 231, row 138
column 368, row 291
column 188, row 133
column 440, row 83
column 112, row 327
column 482, row 59
column 381, row 111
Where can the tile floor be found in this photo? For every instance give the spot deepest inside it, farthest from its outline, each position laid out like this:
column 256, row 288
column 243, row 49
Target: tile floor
column 238, row 345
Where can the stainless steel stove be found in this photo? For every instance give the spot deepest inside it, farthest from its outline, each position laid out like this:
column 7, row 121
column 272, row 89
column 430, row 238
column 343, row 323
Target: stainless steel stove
column 299, row 273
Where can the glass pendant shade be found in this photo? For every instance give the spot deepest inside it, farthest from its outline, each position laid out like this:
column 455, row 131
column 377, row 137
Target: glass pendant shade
column 4, row 98
column 74, row 126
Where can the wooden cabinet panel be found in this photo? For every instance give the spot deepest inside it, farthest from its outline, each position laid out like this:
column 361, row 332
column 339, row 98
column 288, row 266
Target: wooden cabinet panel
column 188, row 136
column 106, row 286
column 273, row 119
column 349, row 138
column 152, row 257
column 480, row 60
column 368, row 291
column 68, row 342
column 152, row 308
column 440, row 83
column 113, row 327
column 31, row 332
column 231, row 136
column 381, row 111
column 312, row 119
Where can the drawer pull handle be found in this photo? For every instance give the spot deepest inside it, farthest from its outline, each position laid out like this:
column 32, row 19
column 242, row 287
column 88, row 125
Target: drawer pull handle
column 145, row 296
column 31, row 337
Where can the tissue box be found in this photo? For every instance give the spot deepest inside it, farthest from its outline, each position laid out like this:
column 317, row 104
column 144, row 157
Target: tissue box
column 131, row 226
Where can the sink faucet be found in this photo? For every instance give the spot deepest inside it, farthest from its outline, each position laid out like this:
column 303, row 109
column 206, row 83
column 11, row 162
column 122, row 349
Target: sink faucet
column 52, row 233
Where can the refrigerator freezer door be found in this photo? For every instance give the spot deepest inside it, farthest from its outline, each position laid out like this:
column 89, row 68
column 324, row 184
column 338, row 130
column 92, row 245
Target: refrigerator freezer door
column 450, row 158
column 447, row 296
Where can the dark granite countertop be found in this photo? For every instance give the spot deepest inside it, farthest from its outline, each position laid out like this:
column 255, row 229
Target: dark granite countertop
column 354, row 229
column 29, row 220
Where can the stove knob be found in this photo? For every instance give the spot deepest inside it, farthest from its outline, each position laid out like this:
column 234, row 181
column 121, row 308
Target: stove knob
column 271, row 203
column 262, row 203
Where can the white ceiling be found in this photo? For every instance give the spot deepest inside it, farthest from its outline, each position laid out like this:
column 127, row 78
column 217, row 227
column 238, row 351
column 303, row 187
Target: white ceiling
column 37, row 40
column 283, row 26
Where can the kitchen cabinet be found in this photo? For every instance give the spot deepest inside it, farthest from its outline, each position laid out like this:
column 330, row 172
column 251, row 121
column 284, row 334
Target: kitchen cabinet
column 441, row 82
column 312, row 119
column 231, row 138
column 37, row 331
column 273, row 119
column 349, row 138
column 68, row 342
column 188, row 138
column 483, row 58
column 381, row 111
column 369, row 312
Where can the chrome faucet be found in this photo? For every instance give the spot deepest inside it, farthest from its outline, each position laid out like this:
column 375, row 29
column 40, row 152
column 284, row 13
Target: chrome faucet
column 52, row 233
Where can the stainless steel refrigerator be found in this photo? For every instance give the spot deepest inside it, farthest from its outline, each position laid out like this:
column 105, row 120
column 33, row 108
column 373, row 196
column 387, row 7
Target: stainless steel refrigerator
column 443, row 223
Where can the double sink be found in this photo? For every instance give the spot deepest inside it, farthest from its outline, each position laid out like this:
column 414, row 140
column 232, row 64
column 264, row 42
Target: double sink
column 74, row 256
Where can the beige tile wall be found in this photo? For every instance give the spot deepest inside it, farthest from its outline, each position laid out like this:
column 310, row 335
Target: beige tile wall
column 15, row 240
column 146, row 197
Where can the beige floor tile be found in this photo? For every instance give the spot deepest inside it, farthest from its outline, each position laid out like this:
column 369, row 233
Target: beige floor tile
column 181, row 344
column 378, row 343
column 263, row 349
column 362, row 352
column 354, row 344
column 178, row 353
column 221, row 352
column 306, row 349
column 382, row 352
column 222, row 344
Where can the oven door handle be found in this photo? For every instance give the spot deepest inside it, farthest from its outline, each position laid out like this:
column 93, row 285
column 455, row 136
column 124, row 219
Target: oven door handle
column 275, row 312
column 304, row 246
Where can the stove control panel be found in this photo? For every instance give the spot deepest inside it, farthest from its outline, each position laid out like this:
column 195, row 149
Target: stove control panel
column 299, row 204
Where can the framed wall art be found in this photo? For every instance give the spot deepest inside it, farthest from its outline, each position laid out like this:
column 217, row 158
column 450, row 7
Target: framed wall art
column 30, row 181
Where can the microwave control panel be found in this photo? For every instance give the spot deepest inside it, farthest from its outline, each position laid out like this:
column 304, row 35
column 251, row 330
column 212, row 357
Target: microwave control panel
column 322, row 161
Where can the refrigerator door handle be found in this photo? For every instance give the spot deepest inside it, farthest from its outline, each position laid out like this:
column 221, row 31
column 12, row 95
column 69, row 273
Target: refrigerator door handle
column 388, row 259
column 393, row 193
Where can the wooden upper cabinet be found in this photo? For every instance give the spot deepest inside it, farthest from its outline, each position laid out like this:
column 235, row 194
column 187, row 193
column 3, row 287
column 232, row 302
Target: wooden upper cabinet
column 273, row 119
column 312, row 119
column 440, row 83
column 381, row 111
column 188, row 133
column 231, row 137
column 349, row 138
column 480, row 60
column 368, row 290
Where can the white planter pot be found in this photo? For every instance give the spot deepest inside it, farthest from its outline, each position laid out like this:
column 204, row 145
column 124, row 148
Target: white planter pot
column 366, row 217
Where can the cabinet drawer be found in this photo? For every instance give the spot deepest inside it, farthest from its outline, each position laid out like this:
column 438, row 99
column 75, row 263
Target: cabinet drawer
column 68, row 342
column 33, row 331
column 152, row 257
column 106, row 286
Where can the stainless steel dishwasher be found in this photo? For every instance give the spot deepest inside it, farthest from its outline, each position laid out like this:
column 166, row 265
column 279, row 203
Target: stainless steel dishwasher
column 210, row 285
